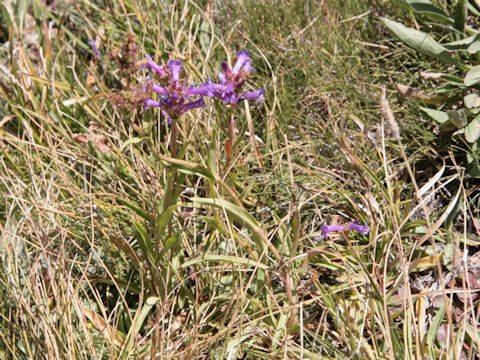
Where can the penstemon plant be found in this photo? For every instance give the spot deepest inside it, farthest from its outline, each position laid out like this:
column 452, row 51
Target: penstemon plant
column 161, row 259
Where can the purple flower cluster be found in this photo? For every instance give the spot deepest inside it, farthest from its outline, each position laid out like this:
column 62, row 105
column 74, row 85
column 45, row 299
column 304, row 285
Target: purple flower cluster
column 362, row 229
column 175, row 98
column 232, row 81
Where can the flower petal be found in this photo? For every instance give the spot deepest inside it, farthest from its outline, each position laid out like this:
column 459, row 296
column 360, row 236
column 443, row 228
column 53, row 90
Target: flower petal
column 159, row 89
column 192, row 105
column 254, row 95
column 327, row 229
column 241, row 59
column 362, row 229
column 157, row 69
column 175, row 67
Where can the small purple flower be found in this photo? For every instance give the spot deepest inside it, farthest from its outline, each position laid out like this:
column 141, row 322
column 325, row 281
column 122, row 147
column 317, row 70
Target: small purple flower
column 243, row 61
column 254, row 95
column 200, row 103
column 176, row 99
column 362, row 229
column 327, row 229
column 95, row 50
column 159, row 89
column 175, row 68
column 157, row 69
column 233, row 80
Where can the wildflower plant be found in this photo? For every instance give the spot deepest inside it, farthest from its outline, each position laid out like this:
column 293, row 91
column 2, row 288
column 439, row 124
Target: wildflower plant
column 165, row 88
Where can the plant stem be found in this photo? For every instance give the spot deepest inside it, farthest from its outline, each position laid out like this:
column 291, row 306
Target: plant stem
column 231, row 137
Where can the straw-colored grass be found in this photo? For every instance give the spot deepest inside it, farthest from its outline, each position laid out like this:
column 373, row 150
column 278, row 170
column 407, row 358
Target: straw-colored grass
column 97, row 264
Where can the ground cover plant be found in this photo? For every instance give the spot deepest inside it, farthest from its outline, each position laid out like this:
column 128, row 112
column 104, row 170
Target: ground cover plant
column 230, row 180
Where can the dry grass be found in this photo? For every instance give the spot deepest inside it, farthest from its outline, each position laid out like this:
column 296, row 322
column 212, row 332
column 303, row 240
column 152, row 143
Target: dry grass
column 96, row 264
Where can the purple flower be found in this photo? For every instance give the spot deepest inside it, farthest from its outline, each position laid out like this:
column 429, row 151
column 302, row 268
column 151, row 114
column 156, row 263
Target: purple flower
column 176, row 98
column 175, row 68
column 362, row 229
column 95, row 50
column 326, row 229
column 157, row 69
column 243, row 61
column 254, row 95
column 159, row 89
column 233, row 80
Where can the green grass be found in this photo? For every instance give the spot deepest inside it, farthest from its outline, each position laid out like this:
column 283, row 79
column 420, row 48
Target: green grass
column 96, row 263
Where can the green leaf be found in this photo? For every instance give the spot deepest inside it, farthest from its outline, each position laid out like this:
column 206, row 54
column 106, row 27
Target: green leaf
column 131, row 141
column 164, row 218
column 422, row 42
column 437, row 320
column 426, row 7
column 189, row 167
column 144, row 240
column 474, row 47
column 205, row 37
column 171, row 242
column 472, row 77
column 472, row 130
column 456, row 120
column 139, row 319
column 470, row 44
column 460, row 15
column 437, row 115
column 237, row 212
column 452, row 209
column 225, row 258
column 136, row 209
column 471, row 101
column 461, row 44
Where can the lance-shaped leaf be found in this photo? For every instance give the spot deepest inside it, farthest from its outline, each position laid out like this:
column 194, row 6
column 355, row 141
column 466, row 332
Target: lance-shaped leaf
column 422, row 42
column 426, row 7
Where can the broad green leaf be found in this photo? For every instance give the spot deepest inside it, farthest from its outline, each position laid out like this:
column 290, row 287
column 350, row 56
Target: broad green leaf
column 225, row 258
column 437, row 115
column 456, row 120
column 452, row 209
column 189, row 167
column 471, row 101
column 422, row 42
column 474, row 47
column 139, row 319
column 473, row 333
column 472, row 130
column 461, row 44
column 205, row 37
column 472, row 77
column 426, row 7
column 243, row 217
column 470, row 44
